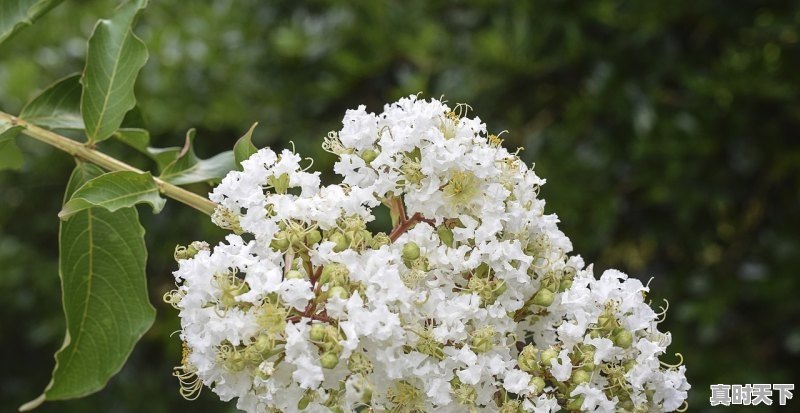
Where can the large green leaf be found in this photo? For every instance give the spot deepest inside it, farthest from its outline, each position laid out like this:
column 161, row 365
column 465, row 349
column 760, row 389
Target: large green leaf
column 187, row 168
column 102, row 269
column 114, row 190
column 113, row 61
column 58, row 106
column 10, row 155
column 244, row 147
column 18, row 14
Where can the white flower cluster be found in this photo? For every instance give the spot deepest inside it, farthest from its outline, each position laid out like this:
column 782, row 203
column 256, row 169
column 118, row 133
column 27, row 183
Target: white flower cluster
column 469, row 303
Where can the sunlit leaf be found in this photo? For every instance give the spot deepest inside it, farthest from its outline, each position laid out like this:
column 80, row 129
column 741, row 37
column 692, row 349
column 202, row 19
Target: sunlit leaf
column 113, row 61
column 187, row 168
column 112, row 191
column 244, row 147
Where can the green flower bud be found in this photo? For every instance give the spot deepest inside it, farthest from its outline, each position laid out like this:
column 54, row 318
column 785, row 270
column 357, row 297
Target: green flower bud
column 280, row 242
column 380, row 239
column 313, row 237
column 410, row 251
column 538, row 384
column 317, row 333
column 334, row 273
column 329, row 360
column 263, row 344
column 543, row 297
column 565, row 285
column 548, row 355
column 340, row 240
column 369, row 155
column 295, row 275
column 445, row 235
column 580, row 376
column 623, row 339
column 339, row 292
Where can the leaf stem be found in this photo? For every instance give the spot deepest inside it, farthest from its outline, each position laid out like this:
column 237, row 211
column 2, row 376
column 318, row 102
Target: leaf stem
column 106, row 162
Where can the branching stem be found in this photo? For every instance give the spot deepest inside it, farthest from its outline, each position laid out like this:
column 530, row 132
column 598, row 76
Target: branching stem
column 106, row 162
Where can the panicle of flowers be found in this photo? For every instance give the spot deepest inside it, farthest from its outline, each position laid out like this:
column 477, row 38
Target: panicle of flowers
column 471, row 302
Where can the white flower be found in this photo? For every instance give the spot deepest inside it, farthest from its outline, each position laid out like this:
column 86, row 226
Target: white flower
column 304, row 308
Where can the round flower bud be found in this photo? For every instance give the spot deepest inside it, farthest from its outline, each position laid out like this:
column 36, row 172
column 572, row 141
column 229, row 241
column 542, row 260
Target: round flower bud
column 369, row 155
column 580, row 376
column 543, row 297
column 340, row 240
column 329, row 360
column 317, row 333
column 623, row 339
column 537, row 385
column 294, row 275
column 549, row 355
column 564, row 285
column 410, row 251
column 263, row 344
column 339, row 292
column 280, row 242
column 313, row 237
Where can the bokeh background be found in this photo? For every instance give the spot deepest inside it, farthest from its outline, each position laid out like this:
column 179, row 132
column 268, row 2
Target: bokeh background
column 668, row 133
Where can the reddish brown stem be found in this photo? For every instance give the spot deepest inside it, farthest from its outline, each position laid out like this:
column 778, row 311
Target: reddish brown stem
column 404, row 226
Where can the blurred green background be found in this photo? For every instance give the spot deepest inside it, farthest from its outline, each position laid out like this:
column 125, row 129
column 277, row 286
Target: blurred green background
column 667, row 131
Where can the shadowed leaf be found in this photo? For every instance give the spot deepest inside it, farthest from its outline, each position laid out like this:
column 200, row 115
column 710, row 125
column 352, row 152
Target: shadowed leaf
column 102, row 268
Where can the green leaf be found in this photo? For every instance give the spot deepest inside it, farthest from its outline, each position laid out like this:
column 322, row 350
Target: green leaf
column 10, row 155
column 15, row 15
column 102, row 269
column 138, row 139
column 114, row 190
column 113, row 61
column 164, row 156
column 58, row 106
column 244, row 147
column 187, row 168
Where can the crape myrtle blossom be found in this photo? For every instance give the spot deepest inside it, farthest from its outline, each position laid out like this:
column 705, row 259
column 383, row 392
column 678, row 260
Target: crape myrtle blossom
column 471, row 302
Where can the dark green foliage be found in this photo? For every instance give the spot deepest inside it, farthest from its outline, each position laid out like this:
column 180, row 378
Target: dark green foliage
column 668, row 132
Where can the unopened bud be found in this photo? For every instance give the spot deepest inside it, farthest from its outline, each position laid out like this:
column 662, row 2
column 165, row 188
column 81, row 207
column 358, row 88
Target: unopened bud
column 340, row 240
column 369, row 155
column 543, row 297
column 410, row 251
column 623, row 339
column 329, row 360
